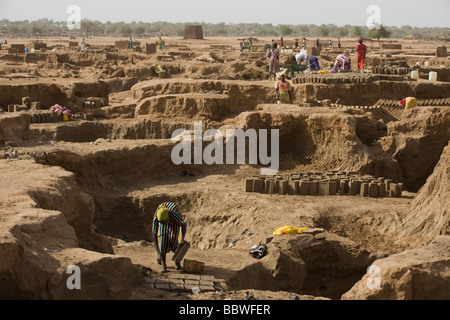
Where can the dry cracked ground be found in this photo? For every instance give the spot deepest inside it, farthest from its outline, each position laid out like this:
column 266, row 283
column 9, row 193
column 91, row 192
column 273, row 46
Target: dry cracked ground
column 83, row 192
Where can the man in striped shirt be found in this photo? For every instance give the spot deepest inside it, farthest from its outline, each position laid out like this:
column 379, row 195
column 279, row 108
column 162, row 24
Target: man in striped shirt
column 167, row 222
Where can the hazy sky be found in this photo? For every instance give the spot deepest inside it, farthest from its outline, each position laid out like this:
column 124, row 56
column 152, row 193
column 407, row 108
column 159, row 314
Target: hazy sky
column 416, row 13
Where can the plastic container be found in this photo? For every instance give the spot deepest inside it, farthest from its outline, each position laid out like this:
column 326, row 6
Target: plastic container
column 26, row 50
column 65, row 117
column 415, row 74
column 432, row 76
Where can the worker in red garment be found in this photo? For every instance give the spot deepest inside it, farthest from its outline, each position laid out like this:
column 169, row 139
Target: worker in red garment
column 361, row 56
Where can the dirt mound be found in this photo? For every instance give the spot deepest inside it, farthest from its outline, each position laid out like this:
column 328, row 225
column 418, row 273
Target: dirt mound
column 430, row 214
column 44, row 221
column 303, row 264
column 419, row 138
column 417, row 274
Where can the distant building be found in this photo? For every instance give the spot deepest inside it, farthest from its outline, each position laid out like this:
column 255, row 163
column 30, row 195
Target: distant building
column 193, row 32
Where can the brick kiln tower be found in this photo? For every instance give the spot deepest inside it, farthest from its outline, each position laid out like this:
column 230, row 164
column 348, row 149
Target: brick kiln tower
column 193, row 32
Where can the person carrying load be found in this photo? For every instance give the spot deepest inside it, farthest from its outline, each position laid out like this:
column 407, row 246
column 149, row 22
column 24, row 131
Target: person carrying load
column 167, row 223
column 408, row 103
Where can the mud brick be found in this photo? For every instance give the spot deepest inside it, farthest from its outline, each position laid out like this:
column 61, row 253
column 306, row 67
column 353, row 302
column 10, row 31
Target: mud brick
column 176, row 276
column 35, row 105
column 34, row 118
column 206, row 283
column 282, row 188
column 382, row 189
column 332, row 188
column 269, row 185
column 176, row 287
column 323, row 188
column 358, row 184
column 313, row 231
column 400, row 189
column 207, row 288
column 313, row 188
column 192, row 282
column 207, row 277
column 353, row 188
column 373, row 189
column 343, row 188
column 364, row 191
column 162, row 286
column 276, row 186
column 303, row 188
column 19, row 107
column 393, row 190
column 293, row 187
column 54, row 116
column 191, row 277
column 258, row 185
column 248, row 185
column 189, row 287
column 388, row 183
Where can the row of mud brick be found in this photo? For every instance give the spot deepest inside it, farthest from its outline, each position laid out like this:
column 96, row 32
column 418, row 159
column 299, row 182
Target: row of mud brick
column 46, row 116
column 329, row 79
column 183, row 283
column 420, row 102
column 391, row 70
column 354, row 107
column 345, row 78
column 333, row 183
column 95, row 102
column 27, row 104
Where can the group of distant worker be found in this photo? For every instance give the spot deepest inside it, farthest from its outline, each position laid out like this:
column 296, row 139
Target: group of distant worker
column 342, row 62
column 160, row 43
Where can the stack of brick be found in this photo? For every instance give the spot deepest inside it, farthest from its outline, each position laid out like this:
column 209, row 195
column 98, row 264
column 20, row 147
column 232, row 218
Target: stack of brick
column 150, row 47
column 45, row 116
column 323, row 184
column 391, row 46
column 183, row 283
column 441, row 51
column 16, row 48
column 37, row 45
column 122, row 44
column 95, row 102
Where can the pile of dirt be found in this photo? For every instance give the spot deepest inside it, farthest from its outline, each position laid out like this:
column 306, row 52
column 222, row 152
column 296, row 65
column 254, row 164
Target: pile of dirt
column 416, row 142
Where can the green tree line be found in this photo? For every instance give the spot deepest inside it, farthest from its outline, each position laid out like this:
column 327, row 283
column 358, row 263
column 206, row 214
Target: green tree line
column 46, row 27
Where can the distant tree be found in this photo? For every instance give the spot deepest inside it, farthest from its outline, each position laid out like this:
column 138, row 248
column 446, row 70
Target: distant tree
column 124, row 29
column 89, row 27
column 284, row 30
column 36, row 30
column 356, row 32
column 340, row 32
column 379, row 32
column 323, row 30
column 139, row 29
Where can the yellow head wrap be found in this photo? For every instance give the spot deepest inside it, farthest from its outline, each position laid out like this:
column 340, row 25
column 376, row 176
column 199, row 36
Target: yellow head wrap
column 162, row 214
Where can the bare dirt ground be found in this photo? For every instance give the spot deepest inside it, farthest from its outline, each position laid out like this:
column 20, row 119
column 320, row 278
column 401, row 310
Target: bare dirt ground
column 84, row 192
